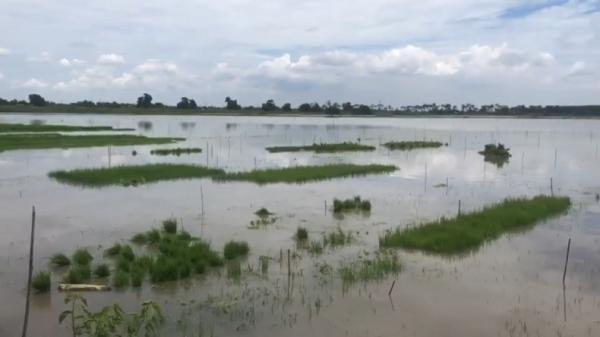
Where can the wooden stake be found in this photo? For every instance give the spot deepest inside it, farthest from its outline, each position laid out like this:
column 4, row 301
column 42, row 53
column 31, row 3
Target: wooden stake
column 29, row 275
column 459, row 208
column 289, row 264
column 566, row 262
column 391, row 288
column 551, row 187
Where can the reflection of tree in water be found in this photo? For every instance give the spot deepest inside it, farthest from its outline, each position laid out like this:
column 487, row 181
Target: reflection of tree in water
column 187, row 125
column 231, row 126
column 145, row 125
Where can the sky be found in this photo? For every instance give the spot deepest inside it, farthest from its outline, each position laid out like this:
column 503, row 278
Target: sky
column 393, row 52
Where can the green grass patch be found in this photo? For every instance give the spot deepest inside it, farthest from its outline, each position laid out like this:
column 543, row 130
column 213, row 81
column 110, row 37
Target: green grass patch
column 469, row 231
column 121, row 279
column 323, row 148
column 82, row 257
column 301, row 174
column 41, row 282
column 102, row 271
column 349, row 205
column 175, row 152
column 78, row 274
column 496, row 154
column 54, row 140
column 411, row 145
column 170, row 226
column 59, row 260
column 235, row 249
column 337, row 238
column 132, row 175
column 35, row 127
column 301, row 234
column 113, row 251
column 378, row 268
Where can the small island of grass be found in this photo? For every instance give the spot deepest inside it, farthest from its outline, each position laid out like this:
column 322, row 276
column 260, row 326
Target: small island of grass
column 496, row 154
column 176, row 152
column 10, row 142
column 469, row 231
column 411, row 145
column 349, row 205
column 5, row 127
column 323, row 148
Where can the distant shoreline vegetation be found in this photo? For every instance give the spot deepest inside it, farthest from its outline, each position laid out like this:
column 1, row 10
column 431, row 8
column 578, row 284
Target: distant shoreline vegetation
column 410, row 145
column 323, row 148
column 176, row 151
column 145, row 105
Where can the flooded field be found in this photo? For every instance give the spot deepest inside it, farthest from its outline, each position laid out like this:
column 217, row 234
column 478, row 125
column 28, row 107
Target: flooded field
column 509, row 287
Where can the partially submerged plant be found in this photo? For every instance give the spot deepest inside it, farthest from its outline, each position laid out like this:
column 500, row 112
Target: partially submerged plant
column 60, row 260
column 235, row 249
column 41, row 282
column 102, row 271
column 82, row 256
column 337, row 238
column 411, row 145
column 170, row 226
column 496, row 154
column 363, row 270
column 301, row 234
column 353, row 204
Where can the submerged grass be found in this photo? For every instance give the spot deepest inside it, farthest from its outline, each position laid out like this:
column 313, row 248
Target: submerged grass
column 378, row 268
column 60, row 260
column 176, row 152
column 337, row 238
column 82, row 257
column 323, row 148
column 35, row 127
column 353, row 204
column 132, row 175
column 41, row 282
column 470, row 231
column 235, row 249
column 54, row 140
column 411, row 145
column 496, row 154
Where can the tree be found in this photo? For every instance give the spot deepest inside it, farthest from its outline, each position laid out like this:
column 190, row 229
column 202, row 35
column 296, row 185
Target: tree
column 309, row 107
column 332, row 108
column 347, row 107
column 144, row 101
column 363, row 110
column 37, row 100
column 269, row 105
column 187, row 103
column 286, row 107
column 232, row 104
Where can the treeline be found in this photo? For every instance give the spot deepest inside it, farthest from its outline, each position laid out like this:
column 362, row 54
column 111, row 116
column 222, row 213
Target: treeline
column 146, row 101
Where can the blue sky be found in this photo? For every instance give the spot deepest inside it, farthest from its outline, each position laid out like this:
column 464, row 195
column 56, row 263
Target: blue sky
column 397, row 52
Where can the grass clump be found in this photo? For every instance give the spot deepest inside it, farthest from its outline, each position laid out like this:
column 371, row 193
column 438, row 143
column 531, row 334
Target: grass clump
column 301, row 234
column 177, row 151
column 127, row 253
column 323, row 148
column 496, row 154
column 82, row 257
column 121, row 279
column 60, row 260
column 337, row 238
column 411, row 145
column 78, row 274
column 353, row 204
column 102, row 271
column 41, row 282
column 132, row 175
column 28, row 141
column 378, row 268
column 114, row 250
column 235, row 249
column 139, row 238
column 470, row 231
column 170, row 226
column 301, row 174
column 263, row 213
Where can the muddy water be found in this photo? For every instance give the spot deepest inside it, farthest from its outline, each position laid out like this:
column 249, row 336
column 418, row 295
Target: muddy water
column 510, row 287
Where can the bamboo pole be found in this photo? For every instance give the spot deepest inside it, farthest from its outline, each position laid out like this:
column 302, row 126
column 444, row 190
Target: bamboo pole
column 29, row 275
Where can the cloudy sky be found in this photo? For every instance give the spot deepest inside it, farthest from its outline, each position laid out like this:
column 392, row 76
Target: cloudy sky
column 366, row 51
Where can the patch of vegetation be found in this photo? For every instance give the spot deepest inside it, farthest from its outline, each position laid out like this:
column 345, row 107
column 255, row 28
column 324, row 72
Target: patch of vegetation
column 82, row 257
column 176, row 152
column 337, row 238
column 41, row 282
column 354, row 204
column 263, row 212
column 114, row 250
column 78, row 274
column 170, row 226
column 496, row 154
column 139, row 238
column 54, row 140
column 235, row 249
column 469, row 231
column 323, row 148
column 301, row 174
column 411, row 145
column 132, row 175
column 37, row 127
column 121, row 279
column 60, row 260
column 378, row 268
column 102, row 271
column 301, row 234
column 315, row 247
column 234, row 269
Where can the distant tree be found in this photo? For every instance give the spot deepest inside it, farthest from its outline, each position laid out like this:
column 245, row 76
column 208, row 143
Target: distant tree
column 37, row 100
column 286, row 107
column 3, row 101
column 309, row 107
column 363, row 110
column 232, row 104
column 347, row 107
column 144, row 101
column 186, row 103
column 332, row 108
column 269, row 105
column 84, row 103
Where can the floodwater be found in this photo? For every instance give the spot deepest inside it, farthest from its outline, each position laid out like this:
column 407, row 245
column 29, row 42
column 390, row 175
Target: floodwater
column 509, row 287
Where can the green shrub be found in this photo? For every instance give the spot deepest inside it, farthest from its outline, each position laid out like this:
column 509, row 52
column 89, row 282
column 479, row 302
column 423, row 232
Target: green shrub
column 82, row 257
column 114, row 250
column 234, row 249
column 121, row 279
column 301, row 234
column 41, row 282
column 139, row 238
column 60, row 260
column 102, row 271
column 354, row 204
column 78, row 274
column 170, row 226
column 127, row 253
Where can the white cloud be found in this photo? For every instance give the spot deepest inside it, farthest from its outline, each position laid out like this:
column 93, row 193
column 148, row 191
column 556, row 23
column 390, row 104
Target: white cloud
column 111, row 59
column 4, row 51
column 34, row 84
column 1, row 76
column 72, row 62
column 44, row 57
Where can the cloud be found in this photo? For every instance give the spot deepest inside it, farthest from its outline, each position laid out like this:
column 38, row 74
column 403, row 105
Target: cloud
column 68, row 63
column 4, row 51
column 44, row 57
column 110, row 59
column 34, row 84
column 1, row 76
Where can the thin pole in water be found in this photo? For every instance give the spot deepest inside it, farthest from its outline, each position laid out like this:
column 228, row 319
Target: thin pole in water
column 425, row 182
column 458, row 207
column 202, row 199
column 551, row 186
column 26, row 320
column 566, row 262
column 391, row 288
